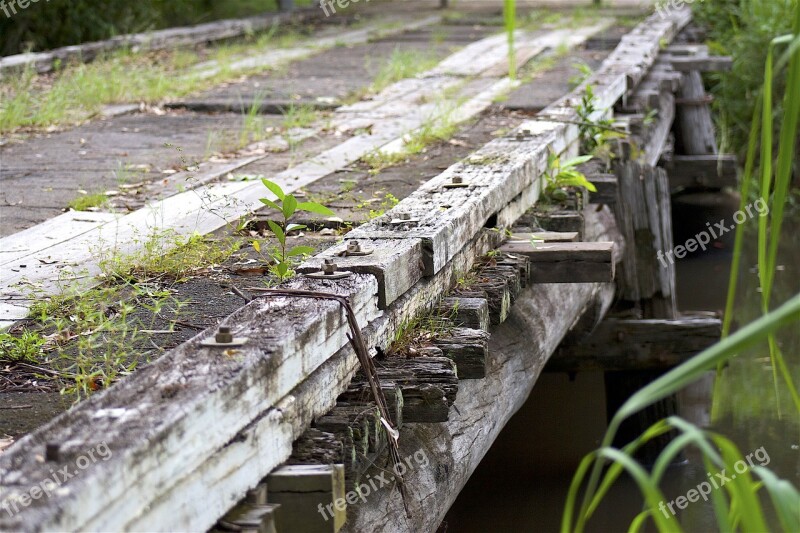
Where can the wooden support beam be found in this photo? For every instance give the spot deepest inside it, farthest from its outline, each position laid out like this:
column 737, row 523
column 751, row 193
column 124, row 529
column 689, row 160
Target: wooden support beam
column 701, row 64
column 715, row 171
column 579, row 262
column 606, row 185
column 395, row 263
column 546, row 236
column 645, row 220
column 429, row 385
column 300, row 490
column 251, row 518
column 468, row 348
column 466, row 312
column 359, row 392
column 694, row 132
column 316, row 447
column 518, row 350
column 621, row 344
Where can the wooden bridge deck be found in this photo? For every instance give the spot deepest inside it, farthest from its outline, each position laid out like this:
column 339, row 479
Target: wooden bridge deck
column 202, row 428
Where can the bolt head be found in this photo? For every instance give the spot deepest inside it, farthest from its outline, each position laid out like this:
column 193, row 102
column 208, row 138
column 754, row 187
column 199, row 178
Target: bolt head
column 353, row 246
column 458, row 179
column 405, row 216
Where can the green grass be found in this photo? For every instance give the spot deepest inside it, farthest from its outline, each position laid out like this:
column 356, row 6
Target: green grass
column 168, row 256
column 400, row 65
column 79, row 91
column 299, row 116
column 85, row 202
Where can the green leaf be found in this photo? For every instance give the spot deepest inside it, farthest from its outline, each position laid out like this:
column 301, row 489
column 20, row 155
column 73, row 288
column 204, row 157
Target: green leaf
column 289, row 206
column 295, row 227
column 270, row 203
column 278, row 231
column 575, row 161
column 274, row 188
column 314, row 207
column 300, row 250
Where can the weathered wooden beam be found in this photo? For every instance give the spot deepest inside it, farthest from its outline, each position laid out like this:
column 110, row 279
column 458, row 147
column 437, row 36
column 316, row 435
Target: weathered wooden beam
column 466, row 312
column 695, row 132
column 359, row 392
column 699, row 63
column 644, row 218
column 622, row 344
column 468, row 348
column 396, row 264
column 189, row 386
column 301, row 490
column 578, row 262
column 316, row 447
column 718, row 170
column 519, row 349
column 606, row 185
column 250, row 517
column 429, row 385
column 545, row 236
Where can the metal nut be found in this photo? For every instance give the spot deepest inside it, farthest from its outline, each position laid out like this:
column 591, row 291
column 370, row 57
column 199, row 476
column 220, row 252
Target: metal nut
column 224, row 335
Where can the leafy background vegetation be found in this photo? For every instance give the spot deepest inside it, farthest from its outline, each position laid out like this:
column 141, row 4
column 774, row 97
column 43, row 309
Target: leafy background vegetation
column 63, row 22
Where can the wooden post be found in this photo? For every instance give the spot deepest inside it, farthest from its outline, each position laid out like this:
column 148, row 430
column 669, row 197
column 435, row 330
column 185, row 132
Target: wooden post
column 646, row 279
column 695, row 131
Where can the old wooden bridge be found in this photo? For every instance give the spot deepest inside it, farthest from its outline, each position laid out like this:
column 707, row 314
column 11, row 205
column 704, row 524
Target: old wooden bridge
column 282, row 429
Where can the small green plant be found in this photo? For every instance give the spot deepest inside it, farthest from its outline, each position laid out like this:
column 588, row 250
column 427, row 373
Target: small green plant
column 595, row 133
column 281, row 257
column 562, row 174
column 418, row 332
column 584, row 71
column 85, row 202
column 377, row 160
column 27, row 347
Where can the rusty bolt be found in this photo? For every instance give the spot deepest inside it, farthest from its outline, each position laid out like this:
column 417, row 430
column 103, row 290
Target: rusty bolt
column 51, row 451
column 457, row 179
column 405, row 216
column 353, row 247
column 328, row 267
column 224, row 335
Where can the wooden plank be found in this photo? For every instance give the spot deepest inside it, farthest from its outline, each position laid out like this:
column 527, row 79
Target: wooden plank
column 468, row 348
column 546, row 236
column 606, row 185
column 47, row 234
column 644, row 217
column 235, row 388
column 699, row 63
column 396, row 264
column 695, row 132
column 449, row 217
column 701, row 170
column 256, row 518
column 569, row 262
column 466, row 312
column 299, row 490
column 621, row 344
